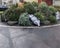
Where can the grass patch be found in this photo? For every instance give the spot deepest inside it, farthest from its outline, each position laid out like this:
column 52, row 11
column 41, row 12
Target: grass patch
column 58, row 7
column 1, row 12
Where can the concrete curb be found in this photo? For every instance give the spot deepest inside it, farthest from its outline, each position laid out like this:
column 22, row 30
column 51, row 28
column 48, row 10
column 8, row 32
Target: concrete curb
column 55, row 25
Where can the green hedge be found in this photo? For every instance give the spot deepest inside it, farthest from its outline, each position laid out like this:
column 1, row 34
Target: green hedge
column 45, row 13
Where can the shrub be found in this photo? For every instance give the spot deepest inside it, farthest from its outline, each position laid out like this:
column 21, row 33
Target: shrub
column 5, row 15
column 52, row 19
column 35, row 4
column 43, row 7
column 46, row 22
column 52, row 10
column 45, row 13
column 40, row 16
column 13, row 14
column 46, row 10
column 29, row 8
column 14, row 6
column 2, row 18
column 25, row 2
column 20, row 4
column 24, row 20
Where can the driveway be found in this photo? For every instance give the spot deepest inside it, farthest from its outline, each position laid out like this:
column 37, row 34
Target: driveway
column 11, row 37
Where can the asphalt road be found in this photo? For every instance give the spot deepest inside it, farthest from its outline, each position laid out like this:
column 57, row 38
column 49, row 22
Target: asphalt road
column 30, row 37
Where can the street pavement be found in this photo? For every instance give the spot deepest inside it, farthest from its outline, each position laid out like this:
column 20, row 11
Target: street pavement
column 11, row 37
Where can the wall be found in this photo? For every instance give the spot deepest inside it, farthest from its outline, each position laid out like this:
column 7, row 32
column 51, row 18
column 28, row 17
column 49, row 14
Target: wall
column 49, row 2
column 0, row 1
column 15, row 1
column 56, row 3
column 31, row 0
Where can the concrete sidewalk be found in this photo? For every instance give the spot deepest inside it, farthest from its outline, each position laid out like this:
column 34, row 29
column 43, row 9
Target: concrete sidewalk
column 30, row 37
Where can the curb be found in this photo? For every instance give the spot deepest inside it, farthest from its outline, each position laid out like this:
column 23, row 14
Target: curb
column 55, row 25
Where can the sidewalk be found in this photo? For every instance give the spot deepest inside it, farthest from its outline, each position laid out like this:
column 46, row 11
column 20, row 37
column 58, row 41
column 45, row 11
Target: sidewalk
column 30, row 37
